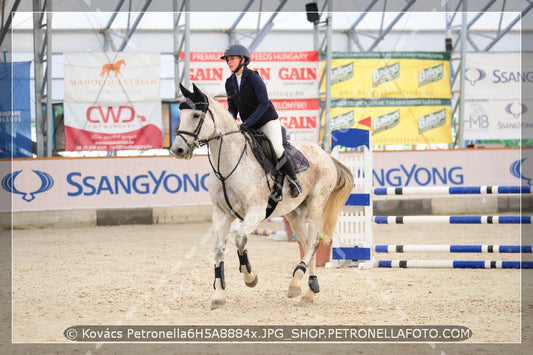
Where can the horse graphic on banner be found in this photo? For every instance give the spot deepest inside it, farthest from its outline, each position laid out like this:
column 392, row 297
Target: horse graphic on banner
column 113, row 67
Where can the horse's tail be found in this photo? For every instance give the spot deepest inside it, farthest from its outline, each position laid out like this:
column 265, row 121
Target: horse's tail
column 336, row 200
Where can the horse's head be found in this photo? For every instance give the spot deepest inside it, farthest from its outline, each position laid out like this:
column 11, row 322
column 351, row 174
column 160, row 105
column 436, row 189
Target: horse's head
column 193, row 127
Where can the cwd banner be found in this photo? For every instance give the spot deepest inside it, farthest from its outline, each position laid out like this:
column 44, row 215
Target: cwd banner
column 396, row 121
column 112, row 101
column 390, row 74
column 498, row 99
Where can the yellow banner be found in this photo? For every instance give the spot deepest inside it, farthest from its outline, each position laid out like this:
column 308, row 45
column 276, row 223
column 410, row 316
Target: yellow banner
column 396, row 121
column 391, row 75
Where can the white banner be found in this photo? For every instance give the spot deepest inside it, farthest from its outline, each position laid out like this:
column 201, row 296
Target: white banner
column 287, row 75
column 498, row 119
column 84, row 183
column 112, row 101
column 112, row 77
column 499, row 76
column 498, row 96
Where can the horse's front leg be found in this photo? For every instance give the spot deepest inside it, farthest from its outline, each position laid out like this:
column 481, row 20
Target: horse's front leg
column 221, row 228
column 251, row 220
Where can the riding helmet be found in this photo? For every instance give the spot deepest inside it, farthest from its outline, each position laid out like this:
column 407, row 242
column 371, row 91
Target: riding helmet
column 238, row 50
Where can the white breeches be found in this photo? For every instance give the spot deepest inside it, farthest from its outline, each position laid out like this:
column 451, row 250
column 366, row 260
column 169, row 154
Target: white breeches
column 272, row 129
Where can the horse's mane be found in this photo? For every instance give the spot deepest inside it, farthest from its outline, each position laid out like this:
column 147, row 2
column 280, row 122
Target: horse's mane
column 221, row 113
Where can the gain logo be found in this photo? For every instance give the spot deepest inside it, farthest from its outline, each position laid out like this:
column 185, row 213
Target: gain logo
column 474, row 75
column 516, row 170
column 8, row 183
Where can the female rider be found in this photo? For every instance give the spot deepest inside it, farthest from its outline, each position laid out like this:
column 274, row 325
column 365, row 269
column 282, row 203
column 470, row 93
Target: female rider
column 247, row 96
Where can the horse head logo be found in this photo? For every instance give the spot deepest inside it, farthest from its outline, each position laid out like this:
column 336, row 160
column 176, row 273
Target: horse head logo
column 474, row 75
column 516, row 109
column 8, row 183
column 516, row 170
column 113, row 67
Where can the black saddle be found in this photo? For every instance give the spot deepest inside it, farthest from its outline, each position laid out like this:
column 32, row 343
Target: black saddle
column 264, row 153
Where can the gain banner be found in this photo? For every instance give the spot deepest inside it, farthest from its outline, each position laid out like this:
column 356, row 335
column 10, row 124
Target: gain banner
column 112, row 101
column 396, row 121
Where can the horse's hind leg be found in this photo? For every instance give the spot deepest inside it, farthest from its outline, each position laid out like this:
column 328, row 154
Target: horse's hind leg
column 298, row 225
column 307, row 234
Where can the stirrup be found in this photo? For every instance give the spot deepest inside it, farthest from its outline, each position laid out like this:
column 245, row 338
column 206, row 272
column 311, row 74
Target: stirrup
column 296, row 189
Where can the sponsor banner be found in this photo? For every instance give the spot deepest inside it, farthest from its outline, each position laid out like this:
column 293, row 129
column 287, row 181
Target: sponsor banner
column 390, row 74
column 498, row 119
column 112, row 101
column 396, row 121
column 15, row 111
column 501, row 76
column 287, row 75
column 85, row 183
column 113, row 126
column 112, row 77
column 460, row 167
column 58, row 184
column 300, row 117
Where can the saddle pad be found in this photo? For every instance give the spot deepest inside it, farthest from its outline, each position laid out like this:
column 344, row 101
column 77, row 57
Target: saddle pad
column 263, row 151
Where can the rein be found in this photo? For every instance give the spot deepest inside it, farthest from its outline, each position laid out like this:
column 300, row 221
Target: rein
column 200, row 142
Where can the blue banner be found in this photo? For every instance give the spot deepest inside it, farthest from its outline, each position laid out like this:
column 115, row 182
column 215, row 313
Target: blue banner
column 15, row 114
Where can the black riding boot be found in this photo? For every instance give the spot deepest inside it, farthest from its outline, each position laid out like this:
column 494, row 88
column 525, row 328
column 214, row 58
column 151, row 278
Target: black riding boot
column 287, row 167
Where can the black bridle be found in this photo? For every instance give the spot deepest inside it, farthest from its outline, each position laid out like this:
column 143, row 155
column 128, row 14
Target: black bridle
column 200, row 142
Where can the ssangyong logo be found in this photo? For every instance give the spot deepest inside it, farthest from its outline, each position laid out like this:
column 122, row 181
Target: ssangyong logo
column 517, row 171
column 516, row 109
column 473, row 75
column 8, row 183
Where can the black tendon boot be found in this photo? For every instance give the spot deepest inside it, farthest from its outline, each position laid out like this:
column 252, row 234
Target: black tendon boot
column 287, row 167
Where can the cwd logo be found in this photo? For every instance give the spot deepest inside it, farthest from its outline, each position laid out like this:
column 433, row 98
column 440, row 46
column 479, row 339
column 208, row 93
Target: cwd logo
column 516, row 170
column 474, row 75
column 122, row 114
column 8, row 183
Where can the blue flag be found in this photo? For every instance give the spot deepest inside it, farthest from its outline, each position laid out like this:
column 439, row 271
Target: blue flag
column 15, row 114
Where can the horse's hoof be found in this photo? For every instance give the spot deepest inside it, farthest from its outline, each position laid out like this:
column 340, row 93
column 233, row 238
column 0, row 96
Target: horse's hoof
column 305, row 301
column 216, row 304
column 253, row 282
column 294, row 291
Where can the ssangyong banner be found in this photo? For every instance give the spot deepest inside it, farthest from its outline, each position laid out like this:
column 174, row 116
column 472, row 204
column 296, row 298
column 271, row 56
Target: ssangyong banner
column 112, row 101
column 500, row 76
column 85, row 183
column 287, row 75
column 92, row 183
column 498, row 119
column 498, row 96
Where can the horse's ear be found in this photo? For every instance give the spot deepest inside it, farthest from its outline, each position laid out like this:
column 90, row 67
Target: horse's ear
column 184, row 91
column 199, row 92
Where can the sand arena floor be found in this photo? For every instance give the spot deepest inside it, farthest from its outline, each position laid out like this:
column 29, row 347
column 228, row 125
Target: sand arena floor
column 163, row 275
